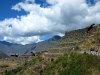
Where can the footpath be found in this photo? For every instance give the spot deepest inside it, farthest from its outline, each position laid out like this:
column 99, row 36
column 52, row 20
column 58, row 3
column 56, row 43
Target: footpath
column 91, row 52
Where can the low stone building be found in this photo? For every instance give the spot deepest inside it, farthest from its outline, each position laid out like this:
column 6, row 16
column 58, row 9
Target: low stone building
column 14, row 55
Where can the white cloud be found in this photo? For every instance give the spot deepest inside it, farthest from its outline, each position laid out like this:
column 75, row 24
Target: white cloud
column 23, row 40
column 61, row 16
column 52, row 1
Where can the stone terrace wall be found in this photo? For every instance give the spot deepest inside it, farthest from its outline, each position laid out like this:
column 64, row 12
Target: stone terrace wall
column 75, row 35
column 69, row 41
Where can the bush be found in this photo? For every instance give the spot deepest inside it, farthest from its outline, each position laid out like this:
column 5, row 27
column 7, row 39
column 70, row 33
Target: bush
column 13, row 71
column 75, row 64
column 3, row 66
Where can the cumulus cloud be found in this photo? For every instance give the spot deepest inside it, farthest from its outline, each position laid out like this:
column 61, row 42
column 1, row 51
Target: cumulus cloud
column 96, row 1
column 60, row 16
column 23, row 40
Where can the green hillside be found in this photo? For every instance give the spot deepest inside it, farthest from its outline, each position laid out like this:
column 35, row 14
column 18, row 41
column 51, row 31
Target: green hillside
column 91, row 41
column 69, row 41
column 68, row 64
column 79, row 39
column 74, row 64
column 63, row 60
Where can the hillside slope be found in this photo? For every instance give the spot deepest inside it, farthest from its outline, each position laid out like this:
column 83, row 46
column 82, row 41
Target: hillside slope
column 2, row 55
column 74, row 64
column 47, row 44
column 91, row 41
column 10, row 48
column 68, row 64
column 78, row 40
column 69, row 41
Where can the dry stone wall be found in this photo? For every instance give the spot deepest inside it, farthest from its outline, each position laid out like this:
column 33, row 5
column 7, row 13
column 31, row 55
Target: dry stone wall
column 69, row 41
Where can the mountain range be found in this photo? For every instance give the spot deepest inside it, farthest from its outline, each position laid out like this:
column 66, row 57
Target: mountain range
column 11, row 48
column 2, row 55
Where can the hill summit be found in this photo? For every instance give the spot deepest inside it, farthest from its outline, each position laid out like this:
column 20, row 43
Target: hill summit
column 81, row 39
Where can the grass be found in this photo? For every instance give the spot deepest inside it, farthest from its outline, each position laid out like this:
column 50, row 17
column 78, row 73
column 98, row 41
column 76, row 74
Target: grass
column 4, row 66
column 92, row 40
column 75, row 64
column 67, row 64
column 13, row 71
column 7, row 64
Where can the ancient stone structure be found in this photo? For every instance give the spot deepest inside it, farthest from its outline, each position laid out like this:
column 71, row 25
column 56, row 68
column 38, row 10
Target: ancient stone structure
column 14, row 55
column 69, row 42
column 89, row 28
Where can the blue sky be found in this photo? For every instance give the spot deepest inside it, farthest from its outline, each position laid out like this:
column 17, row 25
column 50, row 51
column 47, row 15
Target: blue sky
column 5, row 9
column 7, row 12
column 29, row 21
column 91, row 1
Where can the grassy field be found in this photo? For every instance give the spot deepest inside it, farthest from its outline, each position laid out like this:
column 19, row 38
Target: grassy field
column 72, row 63
column 9, row 64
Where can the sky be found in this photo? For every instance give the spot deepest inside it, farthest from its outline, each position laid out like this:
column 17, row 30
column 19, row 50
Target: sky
column 32, row 21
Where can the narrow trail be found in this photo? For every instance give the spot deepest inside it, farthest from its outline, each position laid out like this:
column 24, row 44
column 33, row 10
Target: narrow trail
column 92, row 52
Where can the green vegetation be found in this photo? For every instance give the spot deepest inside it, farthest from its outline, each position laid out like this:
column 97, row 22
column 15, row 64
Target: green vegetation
column 4, row 65
column 68, row 64
column 92, row 40
column 71, row 63
column 13, row 71
column 74, row 64
column 31, row 67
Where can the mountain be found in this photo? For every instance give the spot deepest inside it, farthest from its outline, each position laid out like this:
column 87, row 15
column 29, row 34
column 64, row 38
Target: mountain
column 10, row 48
column 55, row 38
column 47, row 44
column 2, row 55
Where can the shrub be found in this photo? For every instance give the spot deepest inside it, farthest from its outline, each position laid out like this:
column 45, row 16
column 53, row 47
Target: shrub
column 13, row 71
column 3, row 66
column 76, row 64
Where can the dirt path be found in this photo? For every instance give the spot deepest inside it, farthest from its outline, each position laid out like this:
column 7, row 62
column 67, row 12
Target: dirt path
column 92, row 52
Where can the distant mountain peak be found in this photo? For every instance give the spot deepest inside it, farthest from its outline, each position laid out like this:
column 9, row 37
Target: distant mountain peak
column 55, row 38
column 9, row 48
column 2, row 55
column 6, row 43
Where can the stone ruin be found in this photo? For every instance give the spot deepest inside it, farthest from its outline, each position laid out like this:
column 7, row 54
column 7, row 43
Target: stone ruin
column 69, row 41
